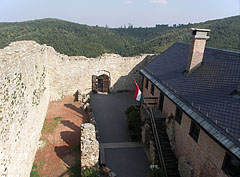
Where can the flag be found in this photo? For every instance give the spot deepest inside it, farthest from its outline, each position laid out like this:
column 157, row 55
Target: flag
column 138, row 93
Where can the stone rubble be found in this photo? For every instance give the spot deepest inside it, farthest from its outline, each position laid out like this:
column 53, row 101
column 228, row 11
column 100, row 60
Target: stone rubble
column 34, row 74
column 152, row 150
column 89, row 146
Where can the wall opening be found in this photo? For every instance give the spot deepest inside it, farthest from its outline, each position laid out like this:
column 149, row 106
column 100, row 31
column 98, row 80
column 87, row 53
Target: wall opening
column 101, row 82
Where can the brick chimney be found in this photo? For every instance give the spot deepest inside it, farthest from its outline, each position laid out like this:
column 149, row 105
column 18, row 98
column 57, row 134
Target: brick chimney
column 198, row 42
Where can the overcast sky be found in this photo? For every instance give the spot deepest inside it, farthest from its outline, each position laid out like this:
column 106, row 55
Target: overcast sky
column 116, row 13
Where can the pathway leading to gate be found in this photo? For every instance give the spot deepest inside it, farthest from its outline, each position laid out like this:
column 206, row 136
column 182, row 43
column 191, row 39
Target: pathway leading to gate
column 124, row 157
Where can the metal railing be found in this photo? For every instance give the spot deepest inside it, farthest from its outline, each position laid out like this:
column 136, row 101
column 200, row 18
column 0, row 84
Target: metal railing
column 156, row 138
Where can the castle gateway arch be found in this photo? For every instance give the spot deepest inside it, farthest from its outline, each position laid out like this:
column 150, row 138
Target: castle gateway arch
column 101, row 81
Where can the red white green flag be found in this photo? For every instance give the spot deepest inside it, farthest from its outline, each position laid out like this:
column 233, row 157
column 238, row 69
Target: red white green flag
column 138, row 93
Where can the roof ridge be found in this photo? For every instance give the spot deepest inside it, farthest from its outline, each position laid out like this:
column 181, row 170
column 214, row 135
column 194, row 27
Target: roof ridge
column 224, row 50
column 214, row 48
column 226, row 139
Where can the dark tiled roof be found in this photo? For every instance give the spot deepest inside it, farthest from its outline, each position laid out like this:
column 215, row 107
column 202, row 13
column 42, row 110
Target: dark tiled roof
column 208, row 88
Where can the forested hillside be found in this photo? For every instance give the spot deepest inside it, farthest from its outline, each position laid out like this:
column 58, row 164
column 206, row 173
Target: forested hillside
column 91, row 41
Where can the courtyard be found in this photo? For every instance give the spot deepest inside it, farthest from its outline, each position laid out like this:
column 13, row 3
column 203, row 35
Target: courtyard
column 59, row 151
column 59, row 154
column 123, row 157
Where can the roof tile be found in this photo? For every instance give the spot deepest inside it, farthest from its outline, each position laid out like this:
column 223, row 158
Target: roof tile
column 207, row 89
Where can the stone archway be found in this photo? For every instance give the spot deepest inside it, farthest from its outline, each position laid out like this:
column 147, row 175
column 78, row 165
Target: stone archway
column 101, row 82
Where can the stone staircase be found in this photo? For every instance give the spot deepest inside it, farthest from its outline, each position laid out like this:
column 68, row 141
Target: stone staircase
column 168, row 155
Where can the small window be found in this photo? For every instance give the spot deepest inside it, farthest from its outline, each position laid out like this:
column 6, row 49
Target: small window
column 161, row 100
column 146, row 84
column 152, row 89
column 231, row 166
column 194, row 131
column 178, row 115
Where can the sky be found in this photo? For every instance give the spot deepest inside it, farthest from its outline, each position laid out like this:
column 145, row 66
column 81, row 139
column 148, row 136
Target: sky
column 116, row 13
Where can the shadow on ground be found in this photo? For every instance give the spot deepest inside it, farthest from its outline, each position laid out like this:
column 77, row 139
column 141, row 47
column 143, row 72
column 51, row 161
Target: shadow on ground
column 70, row 153
column 74, row 108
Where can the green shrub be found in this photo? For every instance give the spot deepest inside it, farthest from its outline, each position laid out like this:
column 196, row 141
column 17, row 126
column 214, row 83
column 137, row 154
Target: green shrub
column 133, row 116
column 156, row 172
column 129, row 109
column 90, row 172
column 34, row 172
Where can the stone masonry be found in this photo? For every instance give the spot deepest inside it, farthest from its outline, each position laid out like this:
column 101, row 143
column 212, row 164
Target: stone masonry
column 210, row 155
column 31, row 76
column 89, row 146
column 24, row 97
column 69, row 74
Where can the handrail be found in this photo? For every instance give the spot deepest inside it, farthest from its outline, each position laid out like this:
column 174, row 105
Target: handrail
column 158, row 144
column 150, row 99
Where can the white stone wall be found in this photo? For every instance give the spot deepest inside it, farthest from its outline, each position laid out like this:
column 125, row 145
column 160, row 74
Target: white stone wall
column 69, row 74
column 89, row 146
column 31, row 75
column 24, row 97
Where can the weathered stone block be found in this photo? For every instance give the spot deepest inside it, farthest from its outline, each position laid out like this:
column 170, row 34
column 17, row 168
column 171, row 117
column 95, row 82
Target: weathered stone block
column 184, row 167
column 89, row 146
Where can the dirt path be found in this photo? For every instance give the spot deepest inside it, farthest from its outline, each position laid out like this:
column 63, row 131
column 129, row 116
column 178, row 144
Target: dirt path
column 60, row 137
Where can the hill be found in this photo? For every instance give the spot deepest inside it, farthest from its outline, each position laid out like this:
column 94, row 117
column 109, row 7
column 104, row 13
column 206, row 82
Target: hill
column 91, row 41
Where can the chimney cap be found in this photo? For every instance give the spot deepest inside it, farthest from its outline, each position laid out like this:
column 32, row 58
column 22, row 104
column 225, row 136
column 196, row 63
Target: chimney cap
column 200, row 33
column 199, row 29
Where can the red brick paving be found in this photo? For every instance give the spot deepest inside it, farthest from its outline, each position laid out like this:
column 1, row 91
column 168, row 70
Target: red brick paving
column 61, row 150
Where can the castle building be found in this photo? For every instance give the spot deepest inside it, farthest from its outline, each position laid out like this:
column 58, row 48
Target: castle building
column 200, row 88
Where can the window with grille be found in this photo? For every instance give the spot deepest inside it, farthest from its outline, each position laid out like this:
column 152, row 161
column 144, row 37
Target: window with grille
column 194, row 131
column 146, row 84
column 178, row 115
column 152, row 89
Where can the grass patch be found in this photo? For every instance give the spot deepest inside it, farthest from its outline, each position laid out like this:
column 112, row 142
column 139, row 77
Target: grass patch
column 34, row 166
column 34, row 172
column 41, row 163
column 91, row 172
column 75, row 171
column 57, row 118
column 50, row 125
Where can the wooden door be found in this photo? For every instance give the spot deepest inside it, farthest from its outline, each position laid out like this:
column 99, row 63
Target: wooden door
column 106, row 83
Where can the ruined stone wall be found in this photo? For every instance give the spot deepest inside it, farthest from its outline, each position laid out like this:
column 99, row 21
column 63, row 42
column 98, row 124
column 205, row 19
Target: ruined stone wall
column 31, row 75
column 69, row 74
column 24, row 97
column 89, row 146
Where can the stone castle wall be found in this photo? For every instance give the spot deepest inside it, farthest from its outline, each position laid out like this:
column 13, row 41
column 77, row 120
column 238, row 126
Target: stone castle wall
column 24, row 97
column 69, row 74
column 31, row 75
